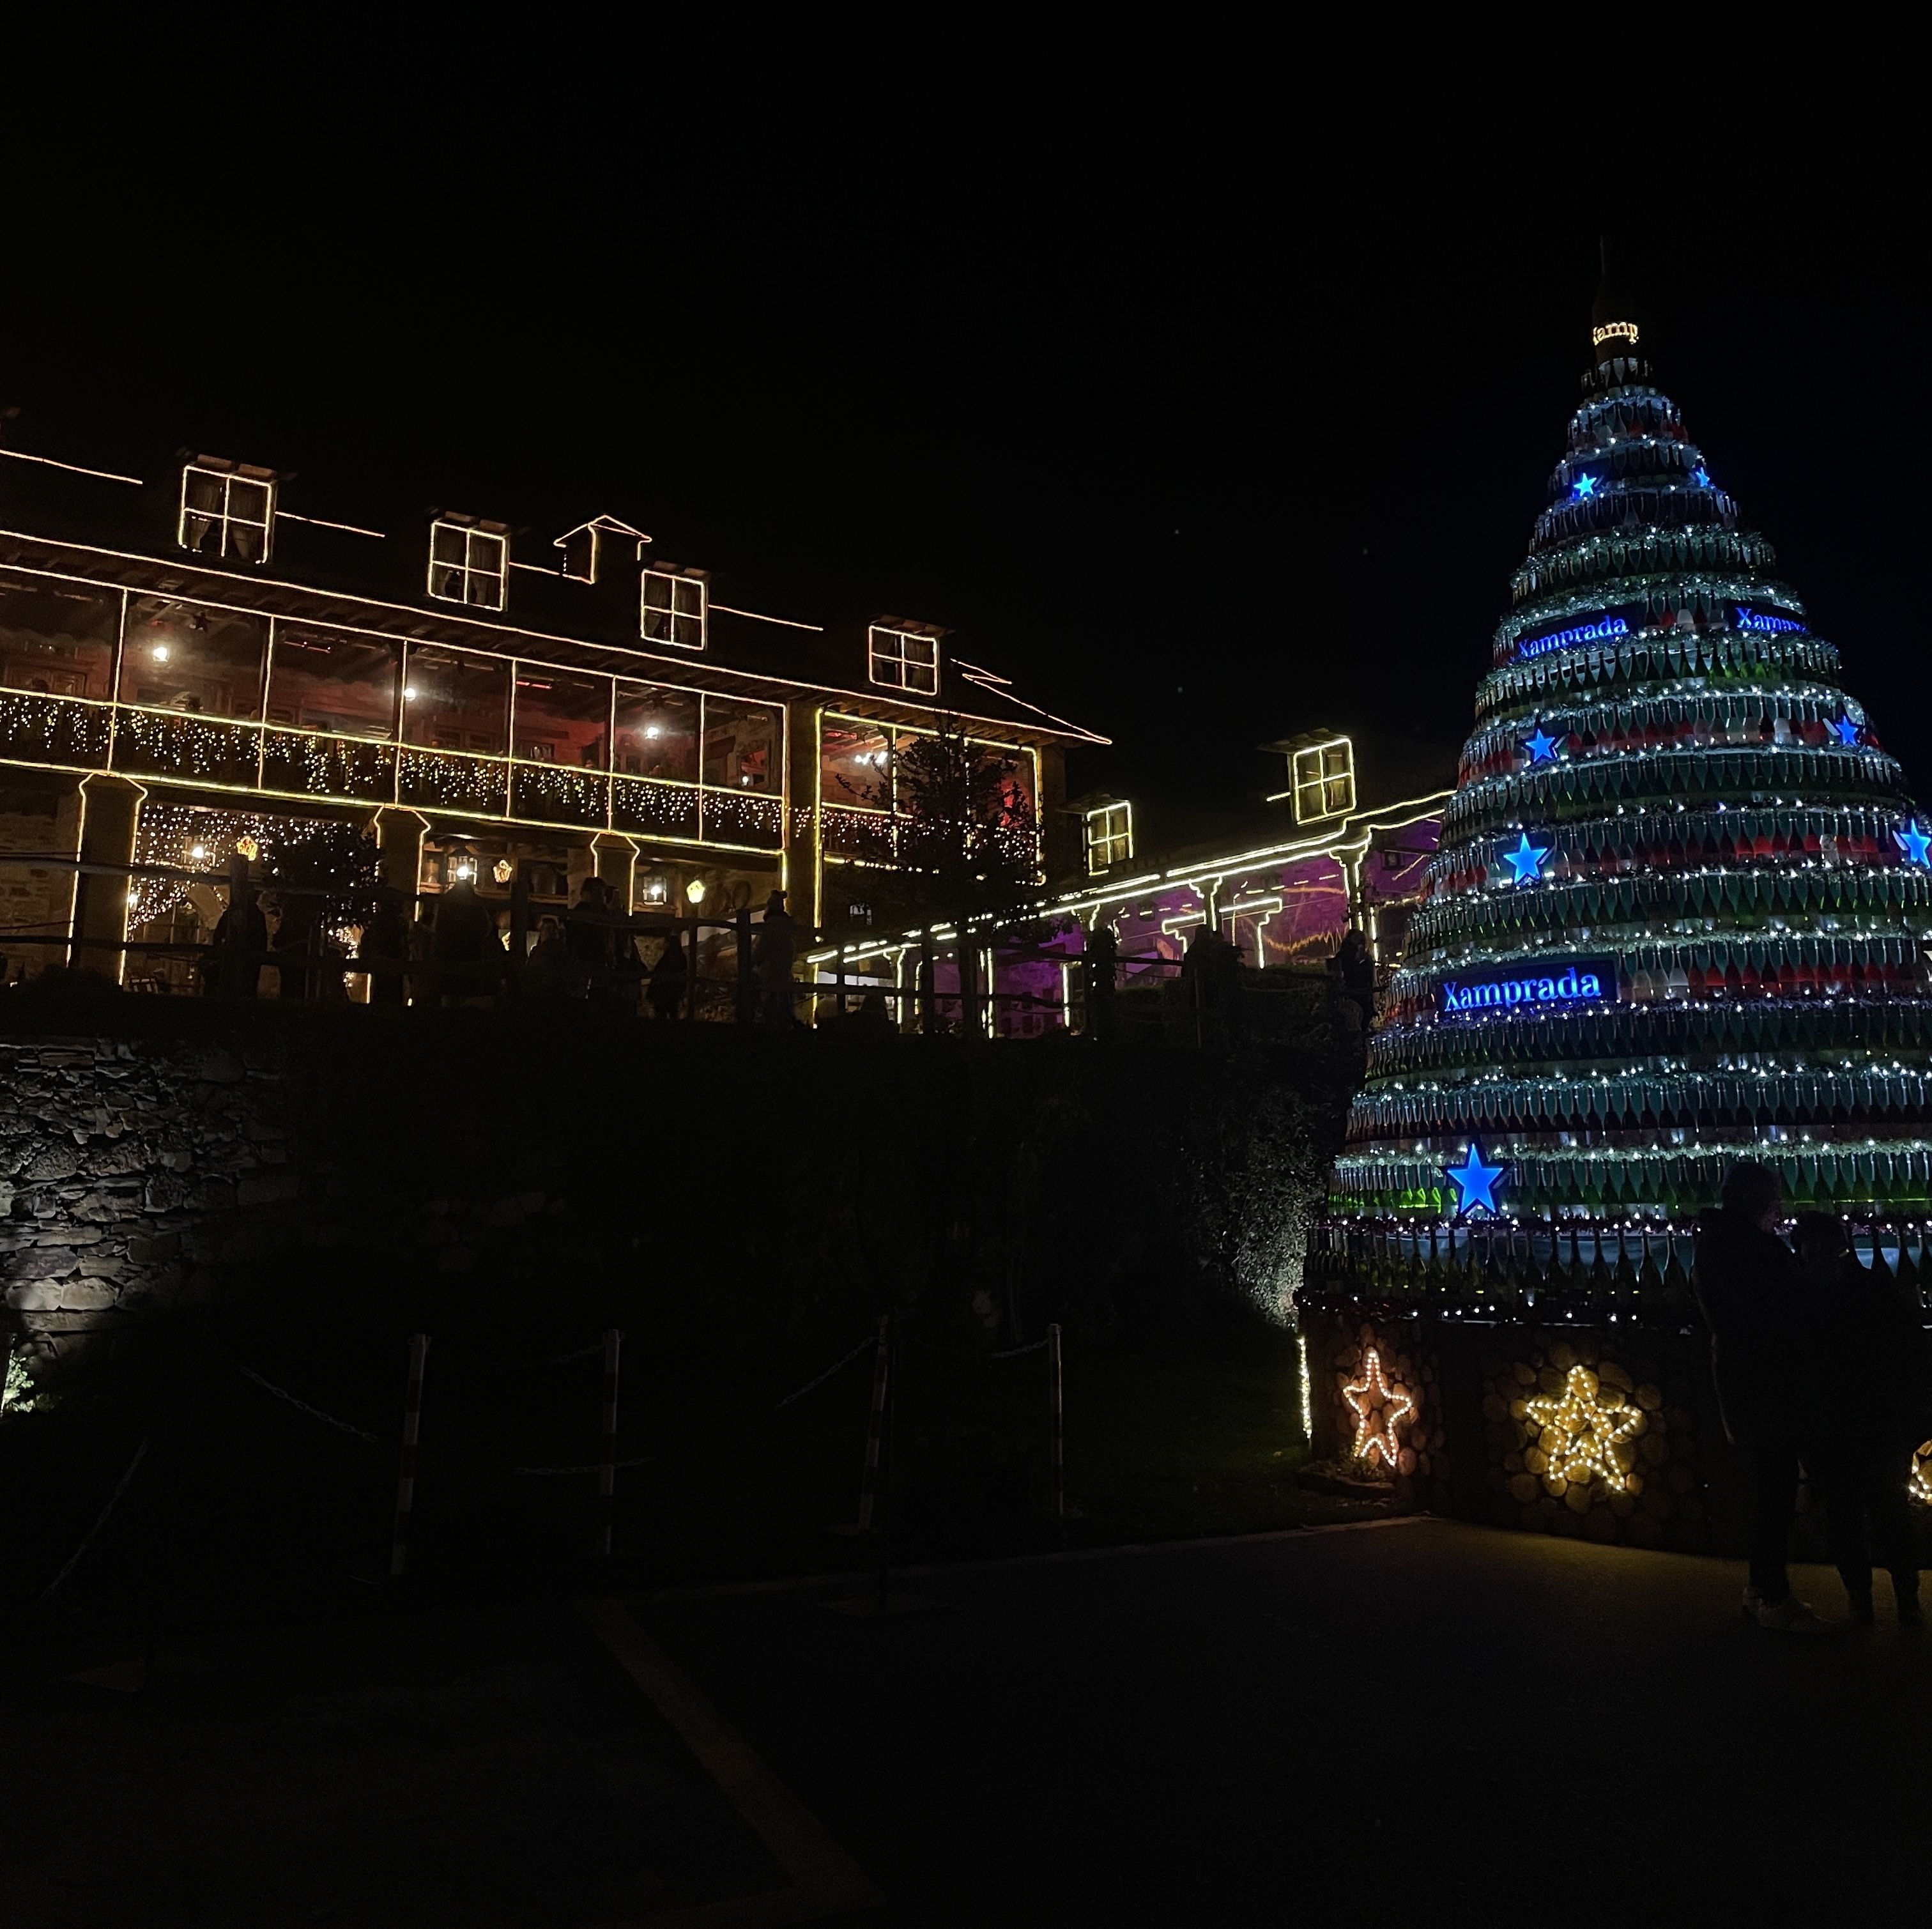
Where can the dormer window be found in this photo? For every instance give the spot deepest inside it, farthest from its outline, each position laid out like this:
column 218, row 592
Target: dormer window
column 227, row 510
column 1110, row 836
column 1325, row 779
column 468, row 562
column 672, row 606
column 904, row 657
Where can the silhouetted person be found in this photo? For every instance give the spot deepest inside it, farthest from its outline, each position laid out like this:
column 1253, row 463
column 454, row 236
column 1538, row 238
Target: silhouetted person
column 1100, row 965
column 550, row 958
column 1754, row 1299
column 240, row 942
column 385, row 950
column 465, row 935
column 772, row 952
column 1869, row 1351
column 669, row 977
column 871, row 1020
column 587, row 934
column 1355, row 969
column 294, row 934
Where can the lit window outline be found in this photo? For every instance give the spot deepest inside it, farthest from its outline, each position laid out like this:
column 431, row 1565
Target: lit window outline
column 677, row 587
column 1320, row 778
column 461, row 575
column 890, row 662
column 259, row 480
column 1109, row 829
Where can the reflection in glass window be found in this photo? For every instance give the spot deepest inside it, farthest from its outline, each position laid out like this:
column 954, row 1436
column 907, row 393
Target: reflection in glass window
column 188, row 656
column 855, row 764
column 657, row 732
column 229, row 512
column 1110, row 836
column 57, row 638
column 563, row 719
column 904, row 658
column 674, row 607
column 343, row 685
column 469, row 563
column 740, row 745
column 454, row 700
column 1324, row 780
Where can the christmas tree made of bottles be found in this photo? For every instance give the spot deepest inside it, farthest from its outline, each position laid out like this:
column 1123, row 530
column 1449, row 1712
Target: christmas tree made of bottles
column 1676, row 915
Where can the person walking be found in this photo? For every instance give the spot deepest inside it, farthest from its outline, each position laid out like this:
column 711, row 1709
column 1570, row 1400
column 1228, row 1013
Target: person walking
column 1753, row 1298
column 1869, row 1424
column 239, row 947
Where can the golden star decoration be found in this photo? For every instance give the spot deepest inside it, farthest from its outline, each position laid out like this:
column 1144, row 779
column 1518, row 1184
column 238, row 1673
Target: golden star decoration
column 1589, row 1426
column 1378, row 1409
column 1917, row 1486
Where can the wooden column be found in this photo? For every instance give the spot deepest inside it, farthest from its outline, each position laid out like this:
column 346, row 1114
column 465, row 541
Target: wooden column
column 399, row 843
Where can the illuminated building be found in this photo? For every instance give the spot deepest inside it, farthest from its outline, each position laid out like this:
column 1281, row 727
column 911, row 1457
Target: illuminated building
column 206, row 652
column 1282, row 888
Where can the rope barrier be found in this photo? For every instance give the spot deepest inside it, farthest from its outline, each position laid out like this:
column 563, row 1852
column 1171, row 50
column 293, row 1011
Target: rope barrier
column 590, row 1466
column 582, row 1353
column 314, row 1412
column 1014, row 1352
column 94, row 1532
column 845, row 1359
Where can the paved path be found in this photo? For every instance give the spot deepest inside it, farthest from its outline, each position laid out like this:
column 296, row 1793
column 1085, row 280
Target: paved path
column 1414, row 1722
column 1418, row 1721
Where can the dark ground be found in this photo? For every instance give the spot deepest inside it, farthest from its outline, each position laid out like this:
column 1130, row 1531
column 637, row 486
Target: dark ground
column 1416, row 1720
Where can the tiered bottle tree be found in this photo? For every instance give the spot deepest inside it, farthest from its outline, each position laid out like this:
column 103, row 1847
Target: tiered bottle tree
column 1678, row 912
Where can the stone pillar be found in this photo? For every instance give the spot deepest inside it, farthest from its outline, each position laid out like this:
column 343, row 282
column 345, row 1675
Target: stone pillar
column 799, row 864
column 399, row 843
column 110, row 814
column 616, row 859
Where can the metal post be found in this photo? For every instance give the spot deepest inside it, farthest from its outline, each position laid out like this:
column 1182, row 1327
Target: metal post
column 690, row 989
column 607, row 1473
column 748, row 1003
column 868, row 1488
column 406, row 1473
column 1059, row 1426
column 886, row 1473
column 928, row 982
column 520, row 931
column 839, row 972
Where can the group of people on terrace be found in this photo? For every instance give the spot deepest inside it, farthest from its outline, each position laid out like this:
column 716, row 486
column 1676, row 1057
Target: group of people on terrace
column 454, row 951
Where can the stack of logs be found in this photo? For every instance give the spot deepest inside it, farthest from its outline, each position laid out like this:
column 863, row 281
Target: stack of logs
column 1651, row 1498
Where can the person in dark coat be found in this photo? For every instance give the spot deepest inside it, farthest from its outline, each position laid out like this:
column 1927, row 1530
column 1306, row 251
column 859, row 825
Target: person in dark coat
column 669, row 977
column 1869, row 1352
column 464, row 945
column 1100, row 964
column 772, row 954
column 385, row 950
column 1754, row 1301
column 239, row 946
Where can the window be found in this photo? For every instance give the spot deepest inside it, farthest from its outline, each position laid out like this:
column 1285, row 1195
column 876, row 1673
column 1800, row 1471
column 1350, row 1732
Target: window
column 1325, row 779
column 452, row 701
column 905, row 659
column 1110, row 836
column 342, row 685
column 562, row 717
column 469, row 563
column 227, row 511
column 741, row 742
column 191, row 657
column 673, row 609
column 657, row 732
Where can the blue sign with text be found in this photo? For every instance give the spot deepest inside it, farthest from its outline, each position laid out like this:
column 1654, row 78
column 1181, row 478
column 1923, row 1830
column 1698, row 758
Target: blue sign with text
column 1606, row 626
column 1577, row 981
column 1767, row 625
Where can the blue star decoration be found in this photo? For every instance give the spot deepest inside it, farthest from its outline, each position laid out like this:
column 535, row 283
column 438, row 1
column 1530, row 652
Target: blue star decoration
column 1914, row 842
column 1848, row 732
column 1542, row 747
column 1584, row 488
column 1526, row 860
column 1701, row 476
column 1476, row 1180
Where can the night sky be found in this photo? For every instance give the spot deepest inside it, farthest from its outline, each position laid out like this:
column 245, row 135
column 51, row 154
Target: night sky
column 1195, row 463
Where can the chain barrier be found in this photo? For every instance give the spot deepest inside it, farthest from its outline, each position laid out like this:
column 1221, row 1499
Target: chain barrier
column 1014, row 1352
column 582, row 1353
column 314, row 1412
column 870, row 1339
column 94, row 1532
